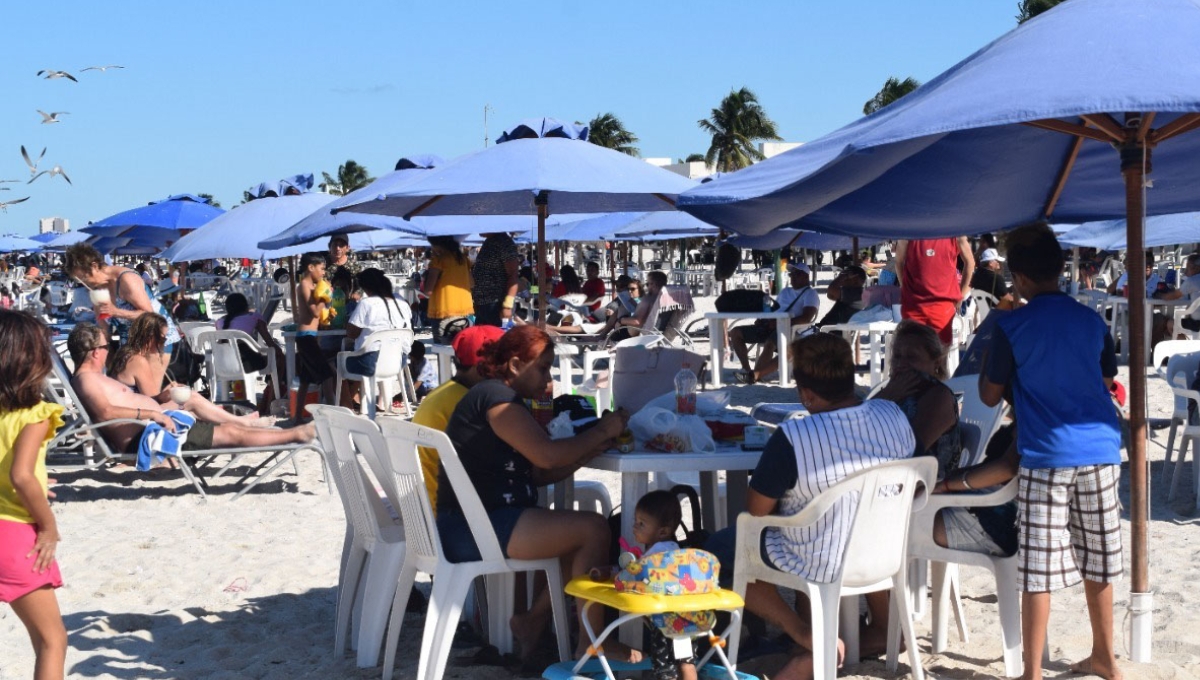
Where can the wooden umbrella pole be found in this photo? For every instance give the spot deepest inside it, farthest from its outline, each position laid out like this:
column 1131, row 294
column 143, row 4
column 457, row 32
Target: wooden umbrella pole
column 854, row 246
column 1135, row 160
column 292, row 286
column 542, row 209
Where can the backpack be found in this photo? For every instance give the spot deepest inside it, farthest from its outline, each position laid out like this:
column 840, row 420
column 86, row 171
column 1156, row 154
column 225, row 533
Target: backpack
column 729, row 257
column 741, row 300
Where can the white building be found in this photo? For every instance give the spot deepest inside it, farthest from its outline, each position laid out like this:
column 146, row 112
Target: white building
column 700, row 170
column 55, row 225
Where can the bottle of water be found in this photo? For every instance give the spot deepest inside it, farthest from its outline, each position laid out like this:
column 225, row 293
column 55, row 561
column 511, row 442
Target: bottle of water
column 685, row 391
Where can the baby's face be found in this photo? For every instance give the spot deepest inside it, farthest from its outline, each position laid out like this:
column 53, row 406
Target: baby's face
column 646, row 531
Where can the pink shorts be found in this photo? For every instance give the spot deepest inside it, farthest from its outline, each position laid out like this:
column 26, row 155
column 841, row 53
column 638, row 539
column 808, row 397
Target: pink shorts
column 17, row 577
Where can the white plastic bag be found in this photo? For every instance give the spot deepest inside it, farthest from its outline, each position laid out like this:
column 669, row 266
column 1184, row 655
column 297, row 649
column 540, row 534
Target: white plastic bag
column 561, row 427
column 661, row 430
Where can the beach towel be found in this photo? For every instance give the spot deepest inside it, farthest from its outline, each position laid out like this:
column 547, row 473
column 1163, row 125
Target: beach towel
column 157, row 443
column 676, row 299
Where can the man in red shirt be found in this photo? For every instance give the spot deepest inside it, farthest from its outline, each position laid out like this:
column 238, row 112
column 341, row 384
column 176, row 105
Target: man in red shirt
column 930, row 286
column 593, row 288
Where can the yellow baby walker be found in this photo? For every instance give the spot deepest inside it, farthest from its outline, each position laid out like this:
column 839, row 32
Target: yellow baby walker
column 677, row 591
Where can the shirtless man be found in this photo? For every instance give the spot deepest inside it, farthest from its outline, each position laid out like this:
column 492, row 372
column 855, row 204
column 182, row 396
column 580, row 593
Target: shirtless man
column 107, row 399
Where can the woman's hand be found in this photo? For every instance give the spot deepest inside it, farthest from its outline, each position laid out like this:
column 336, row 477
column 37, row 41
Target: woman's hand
column 613, row 423
column 105, row 309
column 44, row 546
column 903, row 385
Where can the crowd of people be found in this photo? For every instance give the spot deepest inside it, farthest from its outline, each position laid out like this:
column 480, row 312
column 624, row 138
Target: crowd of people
column 1050, row 357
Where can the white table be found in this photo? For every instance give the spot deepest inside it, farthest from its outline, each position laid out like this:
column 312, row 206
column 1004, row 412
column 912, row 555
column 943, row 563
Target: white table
column 716, row 341
column 289, row 351
column 878, row 333
column 445, row 360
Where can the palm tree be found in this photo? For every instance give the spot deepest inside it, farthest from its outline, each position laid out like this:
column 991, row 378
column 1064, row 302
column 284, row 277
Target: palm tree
column 211, row 200
column 735, row 126
column 350, row 176
column 892, row 89
column 1029, row 9
column 694, row 158
column 608, row 131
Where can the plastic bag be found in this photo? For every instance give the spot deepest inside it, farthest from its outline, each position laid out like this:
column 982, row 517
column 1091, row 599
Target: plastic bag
column 872, row 314
column 561, row 427
column 662, row 430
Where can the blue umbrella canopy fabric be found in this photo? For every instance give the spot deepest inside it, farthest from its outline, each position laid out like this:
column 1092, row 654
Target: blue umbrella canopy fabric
column 175, row 215
column 237, row 233
column 323, row 221
column 62, row 241
column 1161, row 230
column 624, row 226
column 11, row 243
column 45, row 237
column 981, row 147
column 798, row 238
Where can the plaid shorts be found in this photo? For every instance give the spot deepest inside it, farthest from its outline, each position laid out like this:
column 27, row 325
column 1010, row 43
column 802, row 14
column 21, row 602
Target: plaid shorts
column 1070, row 526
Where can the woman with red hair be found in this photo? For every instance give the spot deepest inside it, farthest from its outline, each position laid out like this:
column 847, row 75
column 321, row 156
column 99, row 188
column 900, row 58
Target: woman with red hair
column 507, row 455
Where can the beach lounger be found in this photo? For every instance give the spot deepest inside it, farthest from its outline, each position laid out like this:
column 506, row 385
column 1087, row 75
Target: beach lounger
column 81, row 437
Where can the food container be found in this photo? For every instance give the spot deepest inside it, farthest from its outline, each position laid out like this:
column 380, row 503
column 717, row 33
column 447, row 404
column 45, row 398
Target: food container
column 625, row 441
column 729, row 426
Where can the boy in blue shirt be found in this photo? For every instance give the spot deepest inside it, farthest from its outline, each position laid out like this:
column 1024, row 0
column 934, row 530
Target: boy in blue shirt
column 1057, row 357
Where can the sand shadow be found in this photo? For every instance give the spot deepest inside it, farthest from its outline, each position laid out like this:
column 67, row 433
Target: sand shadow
column 126, row 483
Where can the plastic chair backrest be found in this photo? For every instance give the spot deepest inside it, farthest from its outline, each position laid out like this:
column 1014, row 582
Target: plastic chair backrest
column 391, row 344
column 1170, row 348
column 1181, row 368
column 977, row 421
column 877, row 505
column 403, row 438
column 344, row 436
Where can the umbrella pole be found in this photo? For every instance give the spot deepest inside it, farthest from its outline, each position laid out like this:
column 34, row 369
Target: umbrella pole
column 854, row 245
column 292, row 286
column 541, row 260
column 1135, row 161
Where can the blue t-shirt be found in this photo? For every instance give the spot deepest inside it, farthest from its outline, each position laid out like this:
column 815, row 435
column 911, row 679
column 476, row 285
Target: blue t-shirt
column 1056, row 353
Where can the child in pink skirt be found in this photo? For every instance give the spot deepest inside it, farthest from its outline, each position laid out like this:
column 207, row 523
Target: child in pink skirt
column 28, row 532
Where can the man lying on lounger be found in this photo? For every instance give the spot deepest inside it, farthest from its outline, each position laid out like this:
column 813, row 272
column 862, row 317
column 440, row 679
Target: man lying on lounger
column 107, row 399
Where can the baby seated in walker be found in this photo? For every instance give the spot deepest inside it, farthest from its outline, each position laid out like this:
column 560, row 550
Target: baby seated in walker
column 660, row 566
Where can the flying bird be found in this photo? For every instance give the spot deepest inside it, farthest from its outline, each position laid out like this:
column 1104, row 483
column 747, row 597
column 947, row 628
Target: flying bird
column 31, row 164
column 52, row 117
column 51, row 74
column 56, row 170
column 4, row 204
column 101, row 69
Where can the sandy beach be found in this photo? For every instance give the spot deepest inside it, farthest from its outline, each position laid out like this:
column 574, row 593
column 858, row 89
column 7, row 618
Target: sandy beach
column 162, row 584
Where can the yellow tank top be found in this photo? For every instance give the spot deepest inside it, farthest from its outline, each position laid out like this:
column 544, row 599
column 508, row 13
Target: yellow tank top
column 11, row 424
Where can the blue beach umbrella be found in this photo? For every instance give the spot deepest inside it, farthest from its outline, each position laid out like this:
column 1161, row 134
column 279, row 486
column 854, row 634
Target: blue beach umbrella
column 237, row 233
column 160, row 222
column 543, row 167
column 62, row 241
column 45, row 237
column 1161, row 230
column 798, row 238
column 11, row 243
column 1063, row 118
column 323, row 221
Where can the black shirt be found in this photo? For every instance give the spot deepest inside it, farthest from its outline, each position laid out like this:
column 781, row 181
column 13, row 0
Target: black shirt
column 990, row 282
column 501, row 476
column 489, row 273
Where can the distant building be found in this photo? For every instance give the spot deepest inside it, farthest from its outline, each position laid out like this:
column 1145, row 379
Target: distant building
column 54, row 225
column 699, row 170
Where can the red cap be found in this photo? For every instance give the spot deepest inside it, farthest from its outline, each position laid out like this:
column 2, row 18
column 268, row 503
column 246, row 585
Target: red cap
column 1118, row 392
column 468, row 343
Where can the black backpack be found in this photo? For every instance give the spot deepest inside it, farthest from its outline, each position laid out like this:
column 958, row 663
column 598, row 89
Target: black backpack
column 729, row 257
column 741, row 300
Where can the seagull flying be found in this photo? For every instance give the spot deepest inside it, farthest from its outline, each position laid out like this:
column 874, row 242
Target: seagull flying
column 101, row 69
column 52, row 117
column 4, row 204
column 51, row 74
column 56, row 170
column 31, row 164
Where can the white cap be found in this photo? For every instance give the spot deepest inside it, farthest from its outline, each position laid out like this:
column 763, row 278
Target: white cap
column 990, row 255
column 799, row 267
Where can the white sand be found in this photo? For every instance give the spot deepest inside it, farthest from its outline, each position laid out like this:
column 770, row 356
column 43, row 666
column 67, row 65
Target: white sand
column 161, row 584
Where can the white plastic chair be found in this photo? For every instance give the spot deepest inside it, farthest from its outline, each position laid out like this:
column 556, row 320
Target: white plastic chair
column 875, row 556
column 977, row 423
column 1183, row 360
column 1181, row 369
column 223, row 362
column 373, row 550
column 391, row 375
column 400, row 474
column 1166, row 349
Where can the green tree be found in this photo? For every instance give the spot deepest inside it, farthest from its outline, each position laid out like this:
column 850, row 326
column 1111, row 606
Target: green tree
column 350, row 176
column 892, row 89
column 608, row 131
column 1028, row 9
column 735, row 126
column 211, row 200
column 694, row 158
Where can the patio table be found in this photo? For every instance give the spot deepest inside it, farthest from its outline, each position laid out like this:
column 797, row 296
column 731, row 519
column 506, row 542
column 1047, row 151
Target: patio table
column 716, row 341
column 878, row 333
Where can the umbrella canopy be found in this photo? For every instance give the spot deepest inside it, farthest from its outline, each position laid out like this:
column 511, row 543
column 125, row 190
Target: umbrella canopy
column 11, row 243
column 238, row 232
column 45, row 237
column 527, row 174
column 1161, row 230
column 626, row 226
column 798, row 238
column 323, row 221
column 177, row 213
column 62, row 241
column 1062, row 118
column 986, row 138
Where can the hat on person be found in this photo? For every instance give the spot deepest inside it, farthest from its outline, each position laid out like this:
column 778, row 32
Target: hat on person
column 799, row 267
column 990, row 255
column 468, row 343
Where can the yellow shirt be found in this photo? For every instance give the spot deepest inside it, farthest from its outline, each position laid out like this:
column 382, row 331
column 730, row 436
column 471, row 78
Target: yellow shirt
column 452, row 294
column 11, row 424
column 435, row 411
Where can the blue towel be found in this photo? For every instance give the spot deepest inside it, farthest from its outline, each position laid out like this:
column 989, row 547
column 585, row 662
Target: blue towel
column 157, row 443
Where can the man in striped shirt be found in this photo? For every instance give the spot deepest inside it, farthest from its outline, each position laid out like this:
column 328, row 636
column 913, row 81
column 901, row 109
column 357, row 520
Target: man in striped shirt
column 841, row 436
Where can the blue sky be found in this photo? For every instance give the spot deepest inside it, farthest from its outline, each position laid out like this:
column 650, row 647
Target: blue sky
column 235, row 93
